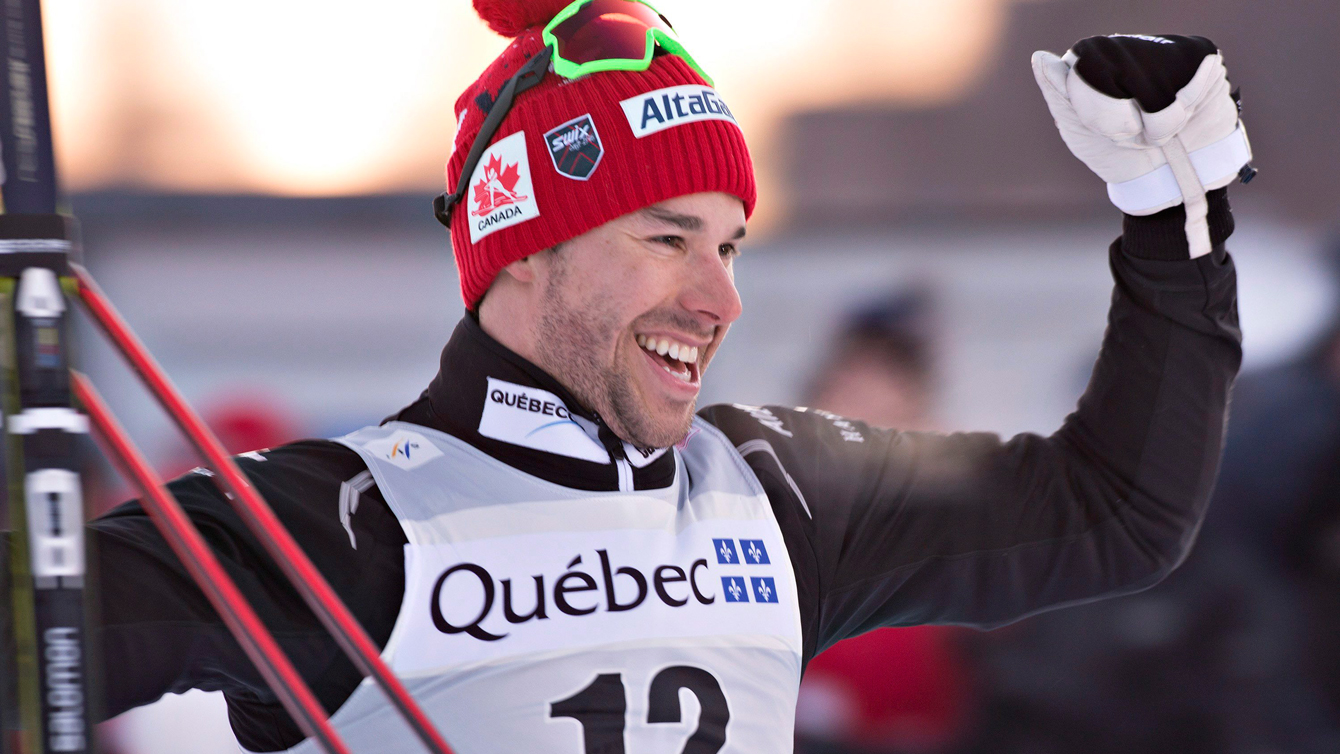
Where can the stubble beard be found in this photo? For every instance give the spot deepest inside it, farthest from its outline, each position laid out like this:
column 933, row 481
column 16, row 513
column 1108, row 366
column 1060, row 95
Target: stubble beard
column 572, row 343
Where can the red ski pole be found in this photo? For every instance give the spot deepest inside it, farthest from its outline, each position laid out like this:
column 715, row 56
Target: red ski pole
column 260, row 519
column 186, row 541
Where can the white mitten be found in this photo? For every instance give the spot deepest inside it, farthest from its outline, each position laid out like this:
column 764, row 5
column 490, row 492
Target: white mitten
column 1154, row 117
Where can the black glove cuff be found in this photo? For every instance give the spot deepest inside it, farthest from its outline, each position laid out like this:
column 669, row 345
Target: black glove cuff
column 1162, row 235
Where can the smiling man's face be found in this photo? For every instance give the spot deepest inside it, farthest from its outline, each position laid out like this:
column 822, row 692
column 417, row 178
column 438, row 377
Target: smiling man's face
column 628, row 315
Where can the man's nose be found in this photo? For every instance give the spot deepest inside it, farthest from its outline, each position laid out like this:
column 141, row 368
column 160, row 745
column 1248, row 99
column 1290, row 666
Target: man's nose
column 710, row 290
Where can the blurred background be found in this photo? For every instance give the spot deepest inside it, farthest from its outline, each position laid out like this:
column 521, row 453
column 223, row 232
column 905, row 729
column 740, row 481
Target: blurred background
column 254, row 178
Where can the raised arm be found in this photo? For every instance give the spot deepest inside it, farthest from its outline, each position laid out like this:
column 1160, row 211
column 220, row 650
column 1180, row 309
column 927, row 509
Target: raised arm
column 899, row 528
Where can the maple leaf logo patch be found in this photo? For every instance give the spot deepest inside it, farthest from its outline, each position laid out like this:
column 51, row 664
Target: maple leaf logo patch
column 501, row 194
column 497, row 188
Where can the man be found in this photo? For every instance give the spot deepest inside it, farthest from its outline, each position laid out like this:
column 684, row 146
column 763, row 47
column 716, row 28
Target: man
column 560, row 556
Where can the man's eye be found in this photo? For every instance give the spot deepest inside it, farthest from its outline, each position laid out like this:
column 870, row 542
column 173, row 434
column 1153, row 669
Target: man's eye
column 675, row 241
column 728, row 251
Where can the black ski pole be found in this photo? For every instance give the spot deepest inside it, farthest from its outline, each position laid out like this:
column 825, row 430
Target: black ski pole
column 8, row 721
column 46, row 509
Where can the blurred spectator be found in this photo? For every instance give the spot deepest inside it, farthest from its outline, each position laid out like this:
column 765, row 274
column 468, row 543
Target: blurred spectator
column 879, row 368
column 896, row 690
column 1236, row 653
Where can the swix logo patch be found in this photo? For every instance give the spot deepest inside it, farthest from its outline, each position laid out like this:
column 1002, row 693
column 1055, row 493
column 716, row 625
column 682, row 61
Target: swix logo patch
column 575, row 148
column 538, row 419
column 405, row 449
column 501, row 194
column 674, row 106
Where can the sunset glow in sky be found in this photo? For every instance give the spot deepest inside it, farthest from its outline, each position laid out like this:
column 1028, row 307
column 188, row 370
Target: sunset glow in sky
column 338, row 97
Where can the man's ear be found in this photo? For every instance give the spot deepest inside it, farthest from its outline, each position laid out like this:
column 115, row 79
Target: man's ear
column 522, row 270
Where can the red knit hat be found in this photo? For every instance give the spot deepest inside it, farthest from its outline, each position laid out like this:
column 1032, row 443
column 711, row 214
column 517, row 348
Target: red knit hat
column 572, row 155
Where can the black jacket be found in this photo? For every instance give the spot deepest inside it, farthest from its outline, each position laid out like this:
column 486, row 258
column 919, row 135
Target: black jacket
column 883, row 527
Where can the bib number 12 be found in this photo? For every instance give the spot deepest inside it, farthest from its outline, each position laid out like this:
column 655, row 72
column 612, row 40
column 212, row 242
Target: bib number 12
column 602, row 709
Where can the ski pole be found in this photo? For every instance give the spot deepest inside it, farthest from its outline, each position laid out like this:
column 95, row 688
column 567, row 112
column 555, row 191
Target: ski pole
column 48, row 552
column 46, row 508
column 258, row 516
column 186, row 541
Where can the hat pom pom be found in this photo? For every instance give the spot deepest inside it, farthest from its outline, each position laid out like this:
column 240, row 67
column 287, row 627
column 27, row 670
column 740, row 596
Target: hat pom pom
column 511, row 17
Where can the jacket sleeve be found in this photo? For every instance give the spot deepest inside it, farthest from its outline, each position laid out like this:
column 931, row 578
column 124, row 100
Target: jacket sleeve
column 900, row 528
column 157, row 633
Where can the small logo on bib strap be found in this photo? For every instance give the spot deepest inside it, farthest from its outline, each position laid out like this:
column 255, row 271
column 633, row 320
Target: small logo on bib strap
column 403, row 448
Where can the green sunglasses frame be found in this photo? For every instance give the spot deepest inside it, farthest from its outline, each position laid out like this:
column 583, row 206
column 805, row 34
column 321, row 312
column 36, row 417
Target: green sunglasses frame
column 667, row 40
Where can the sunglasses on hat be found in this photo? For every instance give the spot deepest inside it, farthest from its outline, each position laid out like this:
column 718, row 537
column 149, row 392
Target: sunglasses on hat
column 588, row 36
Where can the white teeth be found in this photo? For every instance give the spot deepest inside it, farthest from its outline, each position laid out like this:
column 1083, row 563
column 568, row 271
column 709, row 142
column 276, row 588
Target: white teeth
column 682, row 376
column 667, row 347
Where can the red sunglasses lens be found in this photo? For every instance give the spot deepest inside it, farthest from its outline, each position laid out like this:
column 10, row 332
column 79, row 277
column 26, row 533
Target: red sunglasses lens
column 607, row 30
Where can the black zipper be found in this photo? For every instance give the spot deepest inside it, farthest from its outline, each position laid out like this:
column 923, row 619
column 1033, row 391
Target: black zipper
column 614, row 446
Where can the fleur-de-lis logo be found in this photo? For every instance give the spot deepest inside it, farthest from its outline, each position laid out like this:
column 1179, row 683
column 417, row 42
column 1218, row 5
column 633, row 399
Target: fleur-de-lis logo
column 726, row 552
column 754, row 553
column 735, row 589
column 764, row 589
